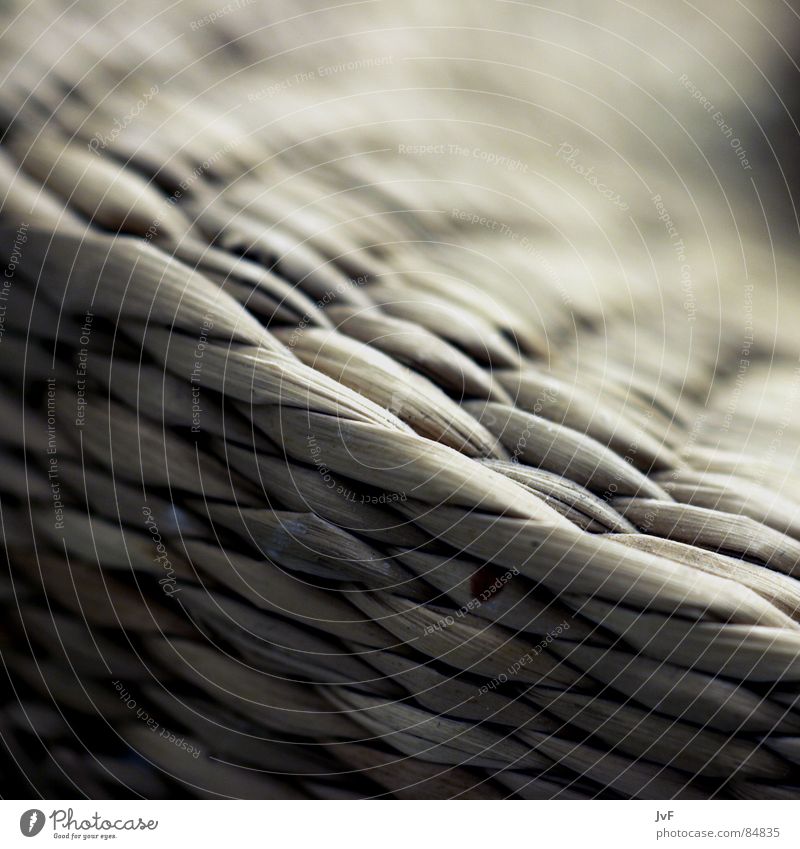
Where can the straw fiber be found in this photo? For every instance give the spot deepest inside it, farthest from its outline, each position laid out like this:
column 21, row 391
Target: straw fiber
column 365, row 432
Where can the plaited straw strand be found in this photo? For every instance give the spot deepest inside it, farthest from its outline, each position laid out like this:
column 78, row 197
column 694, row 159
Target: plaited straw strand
column 365, row 470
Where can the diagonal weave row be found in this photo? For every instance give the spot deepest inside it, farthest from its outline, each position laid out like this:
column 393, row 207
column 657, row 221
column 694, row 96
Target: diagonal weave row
column 296, row 507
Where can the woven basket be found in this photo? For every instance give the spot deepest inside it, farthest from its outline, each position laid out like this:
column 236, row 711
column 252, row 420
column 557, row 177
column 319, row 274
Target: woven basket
column 354, row 445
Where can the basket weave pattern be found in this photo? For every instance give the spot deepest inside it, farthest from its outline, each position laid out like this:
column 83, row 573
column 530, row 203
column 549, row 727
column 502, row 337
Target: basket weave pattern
column 301, row 498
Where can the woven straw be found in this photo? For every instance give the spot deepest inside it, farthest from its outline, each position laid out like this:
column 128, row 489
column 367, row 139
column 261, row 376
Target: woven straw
column 314, row 486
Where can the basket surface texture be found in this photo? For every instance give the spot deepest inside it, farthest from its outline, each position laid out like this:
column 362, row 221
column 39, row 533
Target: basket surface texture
column 400, row 400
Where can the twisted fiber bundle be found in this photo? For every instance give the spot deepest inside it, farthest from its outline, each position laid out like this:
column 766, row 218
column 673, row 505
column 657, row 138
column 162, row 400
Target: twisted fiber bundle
column 318, row 483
